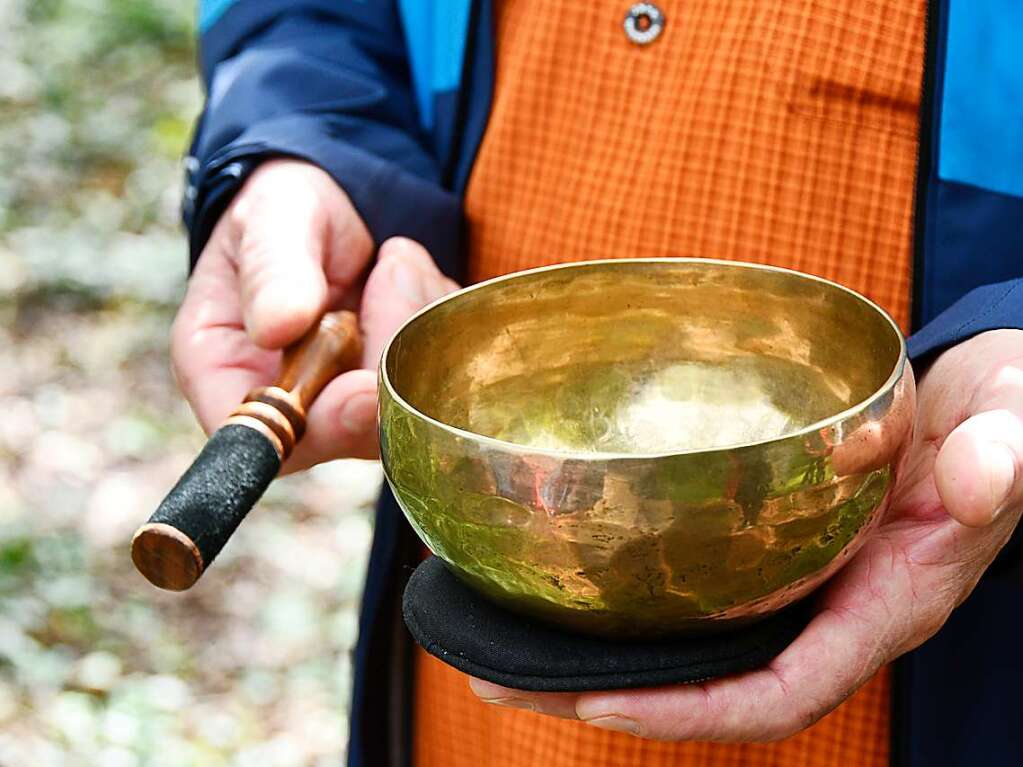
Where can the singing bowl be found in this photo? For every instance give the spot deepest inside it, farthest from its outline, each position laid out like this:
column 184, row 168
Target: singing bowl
column 642, row 448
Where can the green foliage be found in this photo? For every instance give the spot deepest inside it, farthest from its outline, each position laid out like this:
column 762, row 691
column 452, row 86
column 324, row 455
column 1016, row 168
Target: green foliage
column 16, row 556
column 96, row 107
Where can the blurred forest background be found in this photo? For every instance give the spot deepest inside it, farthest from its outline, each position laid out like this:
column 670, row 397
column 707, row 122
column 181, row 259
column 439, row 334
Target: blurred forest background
column 251, row 667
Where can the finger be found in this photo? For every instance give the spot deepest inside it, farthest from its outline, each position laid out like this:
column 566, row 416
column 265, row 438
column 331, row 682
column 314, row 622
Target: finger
column 834, row 655
column 301, row 245
column 341, row 423
column 979, row 469
column 560, row 704
column 404, row 280
column 213, row 361
column 981, row 374
column 280, row 255
column 1002, row 387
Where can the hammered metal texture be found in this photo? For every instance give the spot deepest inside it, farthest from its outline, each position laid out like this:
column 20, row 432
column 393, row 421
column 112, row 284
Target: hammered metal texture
column 645, row 447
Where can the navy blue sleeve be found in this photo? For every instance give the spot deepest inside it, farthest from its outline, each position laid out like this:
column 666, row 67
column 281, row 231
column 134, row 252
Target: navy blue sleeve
column 325, row 81
column 990, row 307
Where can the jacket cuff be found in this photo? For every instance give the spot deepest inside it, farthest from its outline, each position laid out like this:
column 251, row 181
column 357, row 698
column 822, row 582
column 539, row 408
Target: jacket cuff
column 990, row 307
column 390, row 200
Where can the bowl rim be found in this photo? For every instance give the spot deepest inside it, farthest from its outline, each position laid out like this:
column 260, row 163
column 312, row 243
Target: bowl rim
column 597, row 455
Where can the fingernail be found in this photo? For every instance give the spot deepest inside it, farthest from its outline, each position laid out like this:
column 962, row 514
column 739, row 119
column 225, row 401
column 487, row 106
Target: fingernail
column 487, row 690
column 409, row 283
column 1001, row 463
column 497, row 695
column 525, row 705
column 615, row 722
column 357, row 412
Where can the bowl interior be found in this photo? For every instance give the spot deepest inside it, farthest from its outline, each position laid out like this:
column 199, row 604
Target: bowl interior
column 643, row 357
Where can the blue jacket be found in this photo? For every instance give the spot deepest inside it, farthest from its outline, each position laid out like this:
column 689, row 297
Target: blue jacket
column 391, row 97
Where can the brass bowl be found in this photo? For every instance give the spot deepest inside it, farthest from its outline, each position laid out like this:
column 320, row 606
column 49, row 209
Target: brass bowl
column 645, row 447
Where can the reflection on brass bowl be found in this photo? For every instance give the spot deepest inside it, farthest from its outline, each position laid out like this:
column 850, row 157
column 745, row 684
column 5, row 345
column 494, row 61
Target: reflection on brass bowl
column 645, row 447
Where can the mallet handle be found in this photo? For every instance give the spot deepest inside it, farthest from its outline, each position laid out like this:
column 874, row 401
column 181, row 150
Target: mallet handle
column 198, row 516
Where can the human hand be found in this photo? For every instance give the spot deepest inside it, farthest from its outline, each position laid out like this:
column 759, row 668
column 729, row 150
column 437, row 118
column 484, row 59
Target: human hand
column 957, row 499
column 290, row 246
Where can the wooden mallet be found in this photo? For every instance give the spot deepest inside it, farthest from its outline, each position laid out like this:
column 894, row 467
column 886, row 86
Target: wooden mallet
column 243, row 456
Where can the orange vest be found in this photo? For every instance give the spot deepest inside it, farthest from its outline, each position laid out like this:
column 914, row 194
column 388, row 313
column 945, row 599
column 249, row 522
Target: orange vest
column 773, row 131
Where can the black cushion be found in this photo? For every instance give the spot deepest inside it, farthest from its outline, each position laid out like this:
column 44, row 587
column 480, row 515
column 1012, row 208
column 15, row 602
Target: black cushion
column 467, row 631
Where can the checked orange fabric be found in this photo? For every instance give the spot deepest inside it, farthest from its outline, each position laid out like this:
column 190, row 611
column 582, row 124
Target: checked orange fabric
column 773, row 131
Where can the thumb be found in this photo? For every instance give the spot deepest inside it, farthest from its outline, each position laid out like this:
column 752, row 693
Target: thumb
column 979, row 469
column 280, row 266
column 404, row 280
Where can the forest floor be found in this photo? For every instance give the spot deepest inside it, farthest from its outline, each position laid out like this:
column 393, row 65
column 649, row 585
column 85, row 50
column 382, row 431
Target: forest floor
column 252, row 666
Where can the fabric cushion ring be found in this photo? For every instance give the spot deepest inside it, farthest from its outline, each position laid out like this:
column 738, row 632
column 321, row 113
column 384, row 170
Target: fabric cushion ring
column 465, row 630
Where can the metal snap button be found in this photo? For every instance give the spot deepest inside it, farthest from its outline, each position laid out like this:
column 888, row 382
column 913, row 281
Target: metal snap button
column 644, row 23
